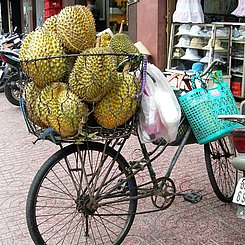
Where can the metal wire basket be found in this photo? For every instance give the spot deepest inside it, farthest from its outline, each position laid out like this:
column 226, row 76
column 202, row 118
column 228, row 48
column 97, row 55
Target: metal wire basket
column 83, row 96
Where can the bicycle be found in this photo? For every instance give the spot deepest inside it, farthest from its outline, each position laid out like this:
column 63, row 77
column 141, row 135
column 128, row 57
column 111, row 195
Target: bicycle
column 86, row 192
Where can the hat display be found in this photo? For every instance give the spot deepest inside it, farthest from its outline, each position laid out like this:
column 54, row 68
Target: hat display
column 238, row 34
column 198, row 66
column 206, row 32
column 217, row 45
column 196, row 42
column 191, row 54
column 205, row 59
column 178, row 53
column 194, row 31
column 183, row 42
column 238, row 69
column 184, row 29
column 222, row 32
column 180, row 67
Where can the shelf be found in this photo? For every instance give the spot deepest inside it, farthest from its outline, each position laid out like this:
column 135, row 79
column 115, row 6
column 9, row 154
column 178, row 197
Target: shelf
column 217, row 42
column 236, row 74
column 239, row 42
column 237, row 58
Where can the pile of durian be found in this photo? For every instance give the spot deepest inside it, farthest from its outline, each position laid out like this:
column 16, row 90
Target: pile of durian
column 73, row 75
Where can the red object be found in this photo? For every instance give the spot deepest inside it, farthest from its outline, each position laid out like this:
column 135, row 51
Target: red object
column 3, row 58
column 236, row 88
column 51, row 7
column 52, row 3
column 238, row 135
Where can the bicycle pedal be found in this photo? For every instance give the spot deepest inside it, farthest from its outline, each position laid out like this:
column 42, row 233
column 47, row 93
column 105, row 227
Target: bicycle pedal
column 137, row 166
column 193, row 197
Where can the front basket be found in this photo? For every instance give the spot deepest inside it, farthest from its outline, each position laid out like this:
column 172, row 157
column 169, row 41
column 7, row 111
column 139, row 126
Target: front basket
column 79, row 97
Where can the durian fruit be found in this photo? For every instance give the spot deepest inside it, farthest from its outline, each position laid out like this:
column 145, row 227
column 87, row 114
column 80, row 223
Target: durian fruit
column 44, row 71
column 93, row 74
column 31, row 96
column 76, row 28
column 25, row 48
column 122, row 44
column 25, row 45
column 62, row 110
column 50, row 24
column 70, row 62
column 105, row 39
column 120, row 104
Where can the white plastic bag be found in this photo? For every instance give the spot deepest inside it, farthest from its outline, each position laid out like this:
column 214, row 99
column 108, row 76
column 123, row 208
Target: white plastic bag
column 151, row 127
column 161, row 113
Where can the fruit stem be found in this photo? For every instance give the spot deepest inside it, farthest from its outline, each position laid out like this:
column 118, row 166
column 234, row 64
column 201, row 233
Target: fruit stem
column 121, row 27
column 98, row 40
column 126, row 69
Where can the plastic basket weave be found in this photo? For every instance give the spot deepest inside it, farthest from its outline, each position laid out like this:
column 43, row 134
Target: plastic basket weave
column 202, row 107
column 77, row 103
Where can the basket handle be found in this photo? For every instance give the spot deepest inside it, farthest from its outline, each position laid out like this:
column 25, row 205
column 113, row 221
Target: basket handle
column 195, row 77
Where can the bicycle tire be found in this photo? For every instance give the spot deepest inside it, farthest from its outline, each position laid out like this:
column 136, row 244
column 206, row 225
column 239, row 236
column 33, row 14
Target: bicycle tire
column 221, row 173
column 58, row 211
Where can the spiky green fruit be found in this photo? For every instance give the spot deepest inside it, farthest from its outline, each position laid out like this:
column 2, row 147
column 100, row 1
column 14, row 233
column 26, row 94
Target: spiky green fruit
column 120, row 104
column 93, row 74
column 62, row 110
column 76, row 28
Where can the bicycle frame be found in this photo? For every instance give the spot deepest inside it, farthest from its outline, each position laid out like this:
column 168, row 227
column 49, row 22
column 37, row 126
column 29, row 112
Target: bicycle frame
column 135, row 168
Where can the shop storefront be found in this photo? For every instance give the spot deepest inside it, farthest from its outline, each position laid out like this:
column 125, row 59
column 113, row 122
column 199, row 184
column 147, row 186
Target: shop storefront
column 10, row 15
column 202, row 31
column 146, row 21
column 28, row 14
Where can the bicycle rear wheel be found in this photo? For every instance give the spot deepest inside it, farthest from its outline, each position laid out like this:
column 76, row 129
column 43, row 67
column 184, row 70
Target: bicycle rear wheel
column 221, row 173
column 82, row 194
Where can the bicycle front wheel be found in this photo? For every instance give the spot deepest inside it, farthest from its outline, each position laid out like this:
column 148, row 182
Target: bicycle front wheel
column 222, row 174
column 83, row 194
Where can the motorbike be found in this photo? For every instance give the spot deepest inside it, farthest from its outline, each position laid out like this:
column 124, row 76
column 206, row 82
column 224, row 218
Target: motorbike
column 16, row 81
column 11, row 42
column 238, row 161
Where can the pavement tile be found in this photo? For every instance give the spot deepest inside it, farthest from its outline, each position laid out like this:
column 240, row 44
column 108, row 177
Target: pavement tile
column 209, row 222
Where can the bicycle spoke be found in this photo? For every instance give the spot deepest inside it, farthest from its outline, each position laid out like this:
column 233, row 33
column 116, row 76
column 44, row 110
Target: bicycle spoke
column 81, row 196
column 222, row 175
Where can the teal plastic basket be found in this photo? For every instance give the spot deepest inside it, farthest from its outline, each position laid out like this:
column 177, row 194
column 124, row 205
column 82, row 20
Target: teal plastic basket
column 202, row 107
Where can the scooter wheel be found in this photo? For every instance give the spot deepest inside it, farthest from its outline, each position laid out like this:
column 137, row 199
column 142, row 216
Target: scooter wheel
column 12, row 94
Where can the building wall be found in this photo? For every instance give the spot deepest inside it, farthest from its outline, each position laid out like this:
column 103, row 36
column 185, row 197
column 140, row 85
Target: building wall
column 132, row 22
column 68, row 3
column 151, row 29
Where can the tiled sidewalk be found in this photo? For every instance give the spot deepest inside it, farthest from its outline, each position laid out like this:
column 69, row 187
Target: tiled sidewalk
column 207, row 222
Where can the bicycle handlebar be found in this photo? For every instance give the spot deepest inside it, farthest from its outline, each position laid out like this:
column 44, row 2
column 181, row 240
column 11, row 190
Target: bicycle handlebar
column 10, row 52
column 233, row 118
column 209, row 68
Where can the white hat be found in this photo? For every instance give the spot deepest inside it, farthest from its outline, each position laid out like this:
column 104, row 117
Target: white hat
column 195, row 29
column 205, row 59
column 222, row 32
column 191, row 54
column 184, row 29
column 183, row 42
